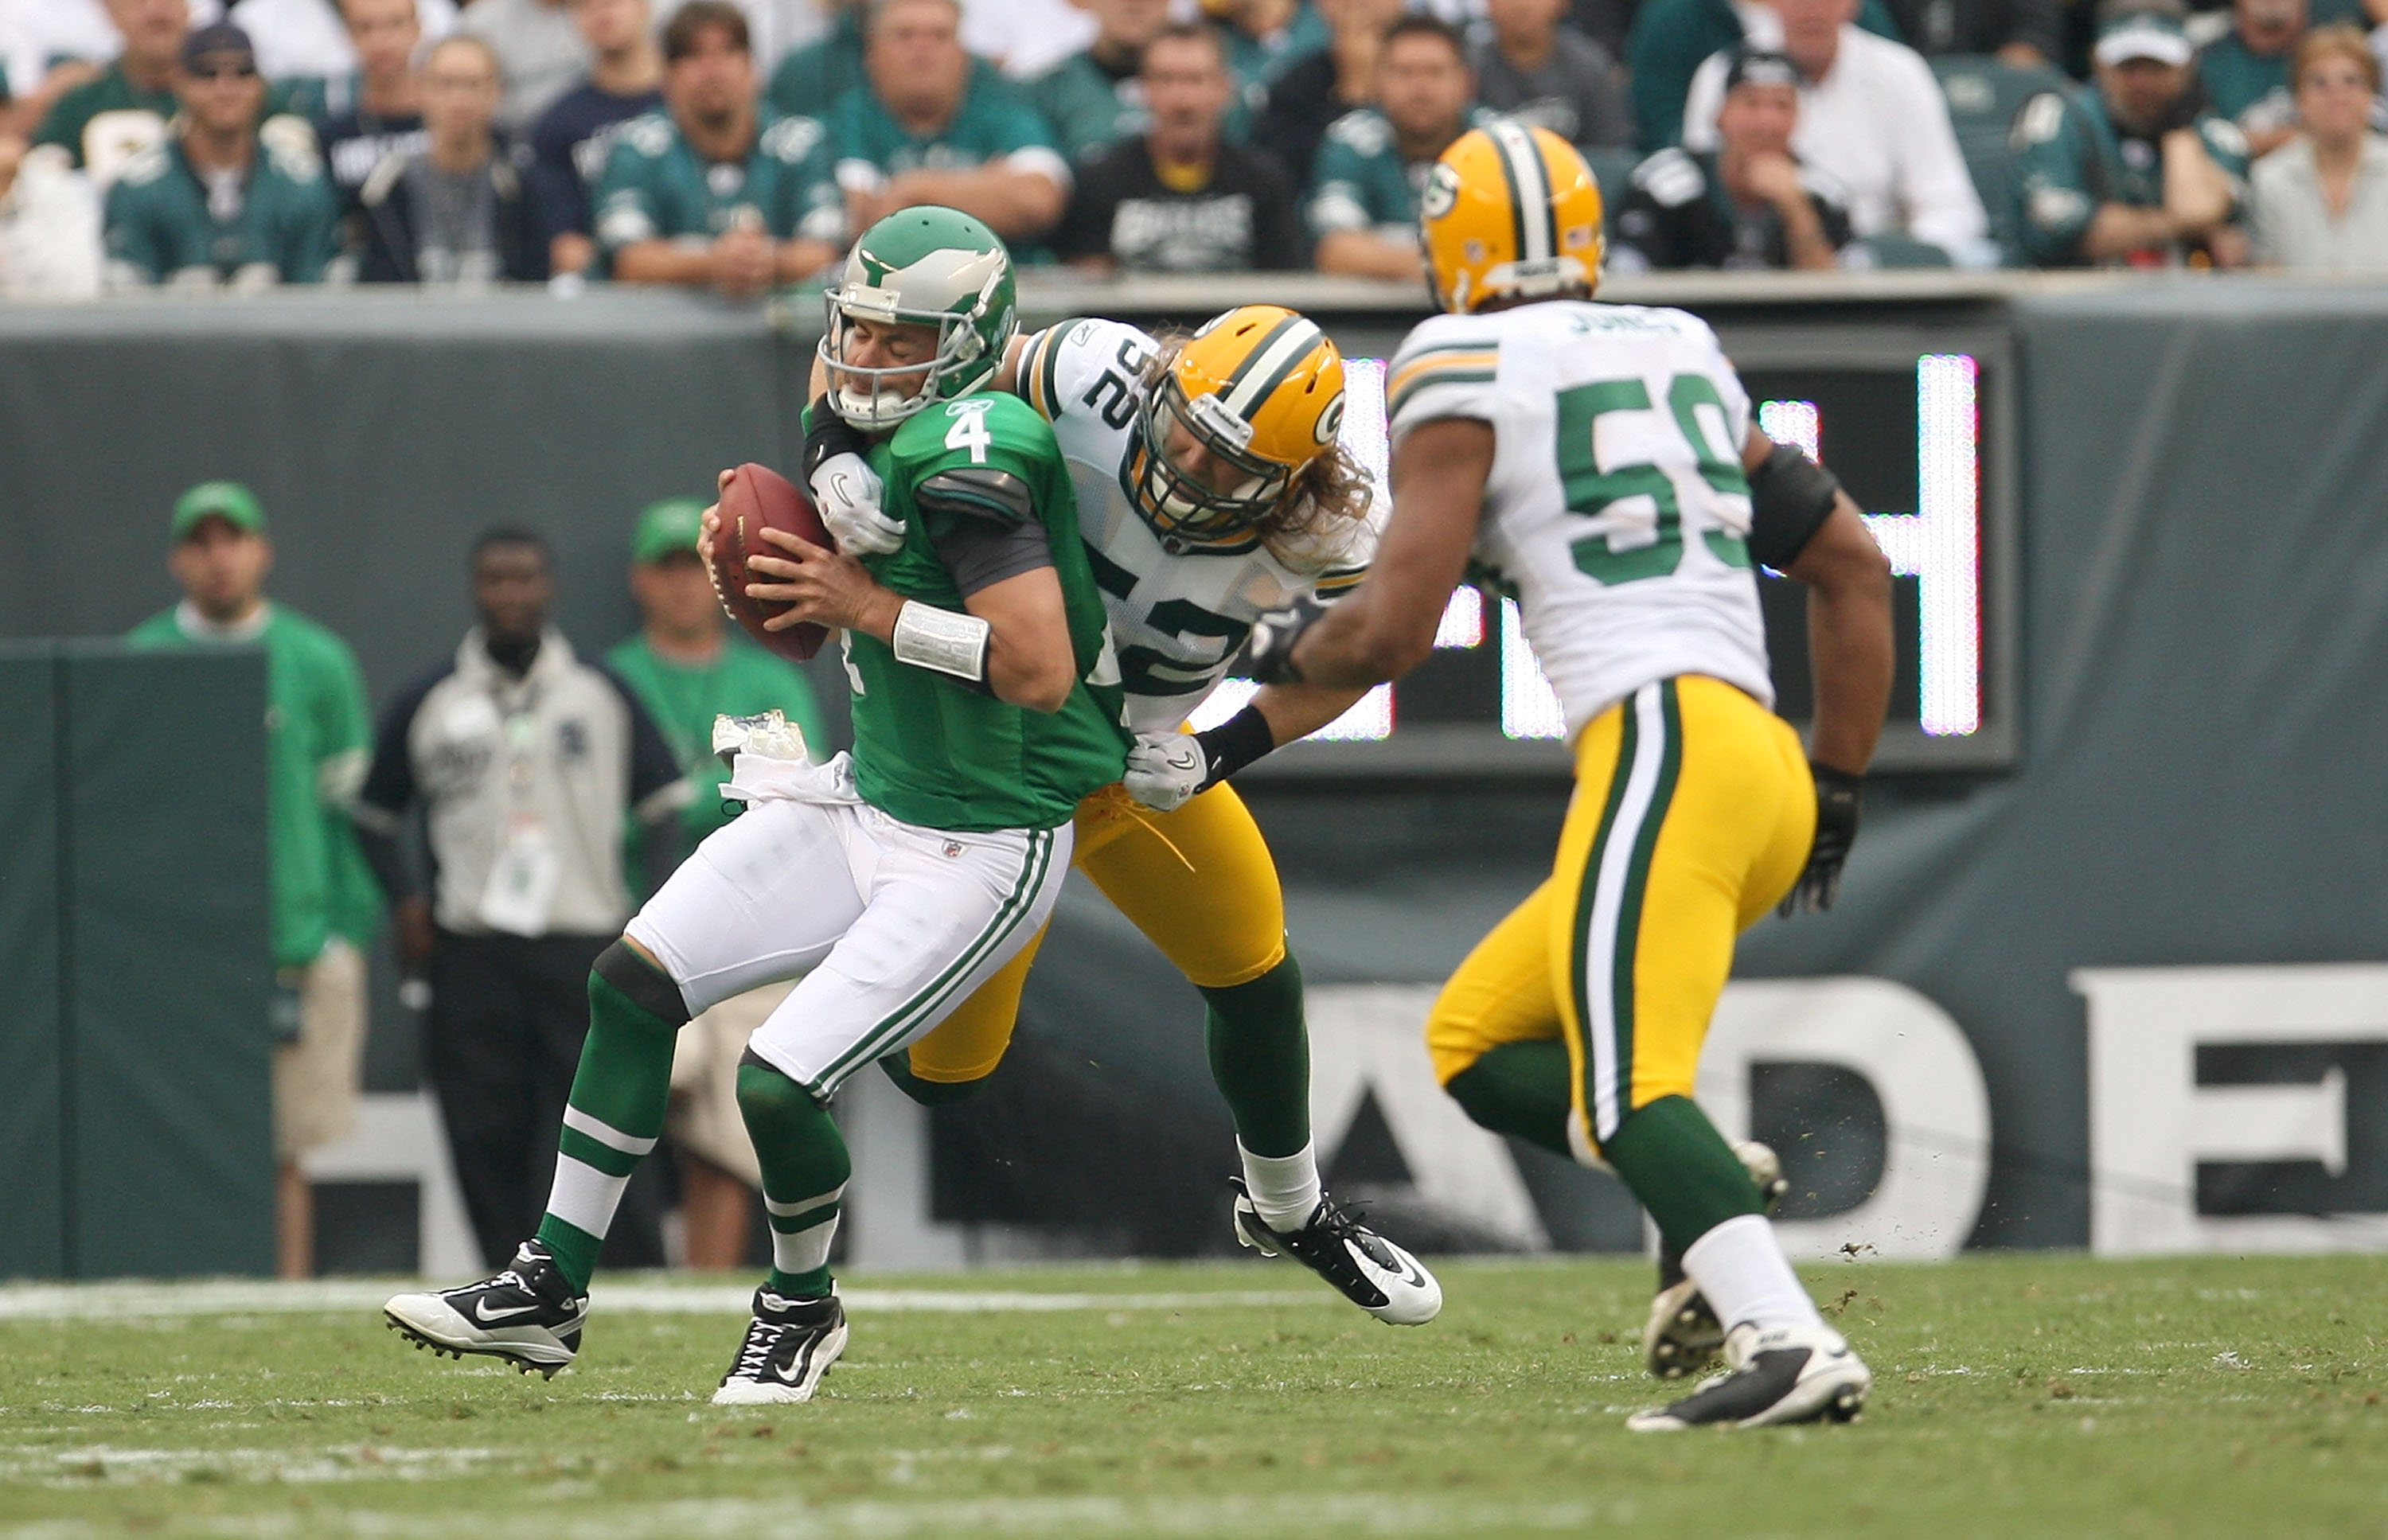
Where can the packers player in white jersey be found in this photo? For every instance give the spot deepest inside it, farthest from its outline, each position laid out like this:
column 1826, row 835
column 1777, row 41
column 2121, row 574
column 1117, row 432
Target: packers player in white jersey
column 1598, row 462
column 1212, row 491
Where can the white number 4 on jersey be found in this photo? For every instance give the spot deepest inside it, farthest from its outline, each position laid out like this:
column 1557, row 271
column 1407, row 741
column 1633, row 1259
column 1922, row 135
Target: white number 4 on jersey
column 969, row 431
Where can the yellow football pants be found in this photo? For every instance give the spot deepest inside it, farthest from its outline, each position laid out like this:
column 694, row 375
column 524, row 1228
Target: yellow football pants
column 1692, row 815
column 1198, row 881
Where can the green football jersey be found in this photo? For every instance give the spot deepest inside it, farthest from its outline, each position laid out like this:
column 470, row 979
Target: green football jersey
column 318, row 738
column 1090, row 109
column 2249, row 88
column 1362, row 183
column 106, row 120
column 2070, row 157
column 159, row 224
column 928, row 748
column 989, row 125
column 743, row 680
column 811, row 78
column 655, row 188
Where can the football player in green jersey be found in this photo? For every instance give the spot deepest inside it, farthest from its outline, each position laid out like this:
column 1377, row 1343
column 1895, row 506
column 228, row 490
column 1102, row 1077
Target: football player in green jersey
column 894, row 880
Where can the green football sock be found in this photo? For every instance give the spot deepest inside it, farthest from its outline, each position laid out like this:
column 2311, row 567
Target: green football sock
column 1260, row 1056
column 615, row 1111
column 1519, row 1089
column 804, row 1169
column 1682, row 1169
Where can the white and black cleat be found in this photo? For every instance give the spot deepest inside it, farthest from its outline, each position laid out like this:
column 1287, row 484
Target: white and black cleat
column 1367, row 1270
column 789, row 1346
column 1683, row 1334
column 527, row 1315
column 1788, row 1374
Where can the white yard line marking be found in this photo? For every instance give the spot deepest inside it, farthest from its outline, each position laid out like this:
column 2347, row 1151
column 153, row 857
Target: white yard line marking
column 137, row 1300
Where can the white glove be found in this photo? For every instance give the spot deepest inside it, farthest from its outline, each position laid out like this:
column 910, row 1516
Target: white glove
column 1164, row 770
column 847, row 494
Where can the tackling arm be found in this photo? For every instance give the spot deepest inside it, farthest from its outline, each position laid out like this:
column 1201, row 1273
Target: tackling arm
column 1387, row 627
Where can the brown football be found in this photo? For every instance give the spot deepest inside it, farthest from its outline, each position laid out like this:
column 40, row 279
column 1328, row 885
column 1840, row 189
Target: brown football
column 759, row 498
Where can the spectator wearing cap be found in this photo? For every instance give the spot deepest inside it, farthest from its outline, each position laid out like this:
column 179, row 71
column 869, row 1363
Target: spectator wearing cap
column 324, row 907
column 1362, row 206
column 1670, row 39
column 380, row 111
column 1095, row 99
column 1539, row 70
column 457, row 212
column 1746, row 204
column 49, row 226
column 526, row 764
column 1338, row 78
column 919, row 132
column 1182, row 196
column 572, row 138
column 217, row 203
column 1870, row 117
column 541, row 52
column 686, row 668
column 2320, row 202
column 717, row 192
column 2246, row 71
column 2132, row 172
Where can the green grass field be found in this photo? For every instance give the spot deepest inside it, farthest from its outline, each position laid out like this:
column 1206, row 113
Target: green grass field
column 2014, row 1395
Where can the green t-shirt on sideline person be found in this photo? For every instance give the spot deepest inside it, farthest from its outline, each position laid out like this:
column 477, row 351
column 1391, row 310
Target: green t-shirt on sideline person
column 743, row 680
column 319, row 740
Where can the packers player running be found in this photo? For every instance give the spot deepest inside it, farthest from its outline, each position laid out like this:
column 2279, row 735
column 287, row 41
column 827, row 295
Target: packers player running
column 1212, row 490
column 894, row 881
column 1598, row 461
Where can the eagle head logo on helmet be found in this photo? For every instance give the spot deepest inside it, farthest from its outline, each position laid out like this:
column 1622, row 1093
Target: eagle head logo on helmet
column 1510, row 213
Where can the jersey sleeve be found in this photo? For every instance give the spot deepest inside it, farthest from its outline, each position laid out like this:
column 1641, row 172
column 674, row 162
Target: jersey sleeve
column 624, row 207
column 131, row 232
column 659, row 787
column 1339, row 179
column 2054, row 202
column 1087, row 365
column 312, row 238
column 1447, row 368
column 809, row 204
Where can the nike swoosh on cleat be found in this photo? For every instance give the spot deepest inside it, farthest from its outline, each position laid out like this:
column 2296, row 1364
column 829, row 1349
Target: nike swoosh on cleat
column 487, row 1317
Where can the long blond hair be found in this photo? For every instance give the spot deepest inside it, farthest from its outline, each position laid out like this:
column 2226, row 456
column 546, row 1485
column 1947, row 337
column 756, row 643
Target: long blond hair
column 1323, row 503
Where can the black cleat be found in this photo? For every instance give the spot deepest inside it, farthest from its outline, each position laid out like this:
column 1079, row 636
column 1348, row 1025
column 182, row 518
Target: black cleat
column 1683, row 1334
column 1367, row 1270
column 789, row 1346
column 527, row 1315
column 1790, row 1374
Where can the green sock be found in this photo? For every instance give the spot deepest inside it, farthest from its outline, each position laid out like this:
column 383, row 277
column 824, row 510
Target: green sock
column 1682, row 1169
column 1260, row 1056
column 1519, row 1089
column 615, row 1111
column 805, row 1168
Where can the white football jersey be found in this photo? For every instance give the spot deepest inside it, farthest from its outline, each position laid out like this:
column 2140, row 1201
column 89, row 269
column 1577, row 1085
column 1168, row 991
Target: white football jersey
column 1178, row 616
column 1616, row 510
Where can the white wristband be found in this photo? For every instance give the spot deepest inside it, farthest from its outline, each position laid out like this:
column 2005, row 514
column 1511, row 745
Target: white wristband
column 927, row 637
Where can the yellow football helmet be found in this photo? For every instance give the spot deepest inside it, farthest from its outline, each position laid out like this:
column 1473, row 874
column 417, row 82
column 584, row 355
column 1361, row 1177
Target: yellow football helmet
column 1259, row 392
column 1509, row 211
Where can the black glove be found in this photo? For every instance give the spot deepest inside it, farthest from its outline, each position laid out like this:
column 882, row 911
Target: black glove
column 827, row 433
column 1269, row 654
column 1837, row 795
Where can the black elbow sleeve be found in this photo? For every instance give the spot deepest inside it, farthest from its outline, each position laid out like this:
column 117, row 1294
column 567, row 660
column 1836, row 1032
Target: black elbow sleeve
column 1790, row 496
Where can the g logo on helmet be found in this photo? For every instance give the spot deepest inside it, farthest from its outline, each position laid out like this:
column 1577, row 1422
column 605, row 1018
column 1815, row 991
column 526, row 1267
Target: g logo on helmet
column 1330, row 421
column 1441, row 190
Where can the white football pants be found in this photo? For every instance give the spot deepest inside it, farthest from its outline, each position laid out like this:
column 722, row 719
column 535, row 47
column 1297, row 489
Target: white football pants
column 890, row 925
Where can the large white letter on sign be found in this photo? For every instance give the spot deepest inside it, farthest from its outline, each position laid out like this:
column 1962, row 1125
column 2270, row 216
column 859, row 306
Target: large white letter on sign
column 2151, row 1123
column 1936, row 1108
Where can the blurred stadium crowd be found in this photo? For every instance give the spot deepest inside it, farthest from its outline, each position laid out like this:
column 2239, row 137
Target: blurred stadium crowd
column 737, row 146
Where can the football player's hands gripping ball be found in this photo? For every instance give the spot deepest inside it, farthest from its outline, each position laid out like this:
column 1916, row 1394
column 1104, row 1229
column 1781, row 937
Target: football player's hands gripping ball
column 1837, row 795
column 847, row 491
column 1166, row 770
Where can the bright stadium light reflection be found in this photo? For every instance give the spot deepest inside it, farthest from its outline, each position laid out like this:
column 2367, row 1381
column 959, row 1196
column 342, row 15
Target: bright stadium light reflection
column 1939, row 545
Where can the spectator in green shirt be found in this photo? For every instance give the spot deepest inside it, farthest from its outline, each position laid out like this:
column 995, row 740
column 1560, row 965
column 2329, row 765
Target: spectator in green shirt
column 2246, row 71
column 686, row 668
column 105, row 121
column 2131, row 173
column 1095, row 99
column 716, row 191
column 325, row 908
column 919, row 130
column 218, row 203
column 1364, row 189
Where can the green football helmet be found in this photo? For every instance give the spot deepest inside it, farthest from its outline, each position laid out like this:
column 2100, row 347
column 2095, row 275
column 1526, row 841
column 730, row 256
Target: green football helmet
column 929, row 266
